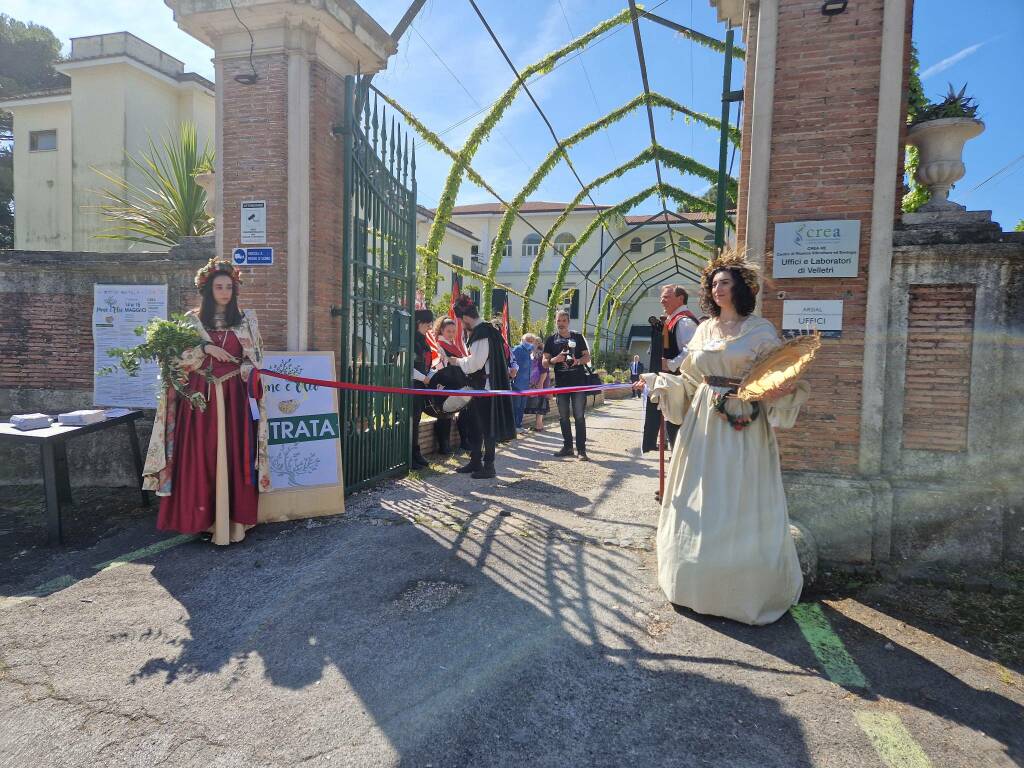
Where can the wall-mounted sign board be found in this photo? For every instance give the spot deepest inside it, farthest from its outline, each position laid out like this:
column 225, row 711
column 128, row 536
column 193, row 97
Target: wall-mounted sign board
column 801, row 316
column 816, row 249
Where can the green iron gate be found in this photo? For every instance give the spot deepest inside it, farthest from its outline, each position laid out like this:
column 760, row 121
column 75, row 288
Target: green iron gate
column 378, row 289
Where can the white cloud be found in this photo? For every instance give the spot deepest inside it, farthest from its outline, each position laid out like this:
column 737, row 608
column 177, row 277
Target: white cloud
column 949, row 61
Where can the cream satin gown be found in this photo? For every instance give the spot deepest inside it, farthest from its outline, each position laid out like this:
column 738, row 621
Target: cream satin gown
column 724, row 546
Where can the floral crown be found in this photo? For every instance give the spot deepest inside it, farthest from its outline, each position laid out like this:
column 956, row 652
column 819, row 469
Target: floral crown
column 215, row 265
column 749, row 273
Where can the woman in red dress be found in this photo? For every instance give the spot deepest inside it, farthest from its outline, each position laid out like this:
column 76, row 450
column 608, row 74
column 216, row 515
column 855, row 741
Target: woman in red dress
column 209, row 465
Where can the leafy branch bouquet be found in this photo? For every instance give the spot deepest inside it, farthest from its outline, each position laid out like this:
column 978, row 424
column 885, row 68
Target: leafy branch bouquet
column 165, row 342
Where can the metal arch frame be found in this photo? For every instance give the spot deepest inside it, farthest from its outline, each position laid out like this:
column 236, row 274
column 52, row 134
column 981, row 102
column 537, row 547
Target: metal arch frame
column 548, row 238
column 720, row 223
column 632, row 228
column 634, row 299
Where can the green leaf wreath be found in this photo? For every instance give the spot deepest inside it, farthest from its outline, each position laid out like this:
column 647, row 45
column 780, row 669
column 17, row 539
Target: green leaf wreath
column 166, row 341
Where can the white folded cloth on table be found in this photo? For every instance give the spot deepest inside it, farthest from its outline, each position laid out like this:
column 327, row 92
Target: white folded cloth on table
column 27, row 421
column 82, row 417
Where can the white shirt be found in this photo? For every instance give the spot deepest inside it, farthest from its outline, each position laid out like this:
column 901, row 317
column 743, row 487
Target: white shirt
column 479, row 354
column 685, row 328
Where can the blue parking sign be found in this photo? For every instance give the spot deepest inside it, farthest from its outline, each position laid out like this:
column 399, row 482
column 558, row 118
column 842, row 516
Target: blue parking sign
column 253, row 257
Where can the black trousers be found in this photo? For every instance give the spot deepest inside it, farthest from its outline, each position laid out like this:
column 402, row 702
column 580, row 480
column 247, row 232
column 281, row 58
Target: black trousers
column 577, row 403
column 478, row 420
column 417, row 413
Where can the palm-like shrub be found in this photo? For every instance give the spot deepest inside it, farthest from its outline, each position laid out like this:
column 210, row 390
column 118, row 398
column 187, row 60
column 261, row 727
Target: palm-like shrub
column 168, row 204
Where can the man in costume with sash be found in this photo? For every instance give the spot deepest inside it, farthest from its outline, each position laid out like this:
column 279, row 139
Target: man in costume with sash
column 677, row 330
column 486, row 366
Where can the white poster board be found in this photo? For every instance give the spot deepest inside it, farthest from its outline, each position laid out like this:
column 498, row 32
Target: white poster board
column 304, row 443
column 816, row 248
column 117, row 310
column 800, row 316
column 253, row 218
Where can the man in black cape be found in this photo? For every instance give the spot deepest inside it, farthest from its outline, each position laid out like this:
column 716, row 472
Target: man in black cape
column 490, row 418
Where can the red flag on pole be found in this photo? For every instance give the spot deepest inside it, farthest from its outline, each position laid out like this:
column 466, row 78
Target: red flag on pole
column 504, row 329
column 460, row 338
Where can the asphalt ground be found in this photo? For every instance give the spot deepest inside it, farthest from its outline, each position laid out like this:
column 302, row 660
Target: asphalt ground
column 444, row 621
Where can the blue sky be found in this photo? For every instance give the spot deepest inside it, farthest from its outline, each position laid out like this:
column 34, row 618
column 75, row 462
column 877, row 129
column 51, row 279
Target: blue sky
column 958, row 42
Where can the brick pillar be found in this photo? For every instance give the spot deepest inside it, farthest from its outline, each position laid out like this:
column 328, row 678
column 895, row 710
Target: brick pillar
column 833, row 154
column 275, row 143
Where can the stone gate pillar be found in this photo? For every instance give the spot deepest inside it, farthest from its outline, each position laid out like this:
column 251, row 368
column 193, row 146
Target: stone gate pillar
column 280, row 68
column 823, row 119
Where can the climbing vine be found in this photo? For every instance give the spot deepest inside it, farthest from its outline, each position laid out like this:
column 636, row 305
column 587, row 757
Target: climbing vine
column 682, row 163
column 483, row 130
column 670, row 158
column 461, row 168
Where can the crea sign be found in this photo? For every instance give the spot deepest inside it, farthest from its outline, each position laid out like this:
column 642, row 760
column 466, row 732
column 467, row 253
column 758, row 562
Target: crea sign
column 816, row 249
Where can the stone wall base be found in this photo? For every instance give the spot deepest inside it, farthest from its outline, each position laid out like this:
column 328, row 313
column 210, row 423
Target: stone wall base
column 877, row 521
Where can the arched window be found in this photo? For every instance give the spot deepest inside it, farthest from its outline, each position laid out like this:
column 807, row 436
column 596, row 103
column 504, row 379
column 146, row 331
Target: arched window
column 709, row 239
column 506, row 251
column 562, row 242
column 659, row 244
column 531, row 244
column 634, row 245
column 683, row 241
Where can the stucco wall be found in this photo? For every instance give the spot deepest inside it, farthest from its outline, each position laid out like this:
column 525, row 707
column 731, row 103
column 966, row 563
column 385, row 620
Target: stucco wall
column 42, row 180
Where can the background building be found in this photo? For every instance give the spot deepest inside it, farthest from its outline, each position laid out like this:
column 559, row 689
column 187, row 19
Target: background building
column 626, row 241
column 123, row 92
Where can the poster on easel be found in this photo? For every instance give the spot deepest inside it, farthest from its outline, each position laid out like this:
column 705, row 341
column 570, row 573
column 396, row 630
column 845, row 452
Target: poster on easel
column 304, row 445
column 117, row 310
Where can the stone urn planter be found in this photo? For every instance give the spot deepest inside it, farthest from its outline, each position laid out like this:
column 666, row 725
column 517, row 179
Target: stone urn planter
column 208, row 181
column 941, row 146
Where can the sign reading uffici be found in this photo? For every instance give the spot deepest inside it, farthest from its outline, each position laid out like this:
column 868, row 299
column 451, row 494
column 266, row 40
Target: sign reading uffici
column 800, row 316
column 304, row 447
column 816, row 248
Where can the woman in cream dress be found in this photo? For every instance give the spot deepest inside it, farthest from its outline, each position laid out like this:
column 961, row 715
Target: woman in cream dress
column 724, row 546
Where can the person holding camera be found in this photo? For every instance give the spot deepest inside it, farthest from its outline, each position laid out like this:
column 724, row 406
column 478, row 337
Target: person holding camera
column 568, row 353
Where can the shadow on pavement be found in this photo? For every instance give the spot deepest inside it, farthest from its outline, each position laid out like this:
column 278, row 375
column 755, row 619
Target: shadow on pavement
column 497, row 648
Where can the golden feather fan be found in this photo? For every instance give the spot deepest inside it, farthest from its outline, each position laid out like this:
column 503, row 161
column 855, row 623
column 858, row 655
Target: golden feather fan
column 781, row 367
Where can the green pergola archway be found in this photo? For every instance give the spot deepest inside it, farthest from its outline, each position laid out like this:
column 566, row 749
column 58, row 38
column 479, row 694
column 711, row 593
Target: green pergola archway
column 641, row 274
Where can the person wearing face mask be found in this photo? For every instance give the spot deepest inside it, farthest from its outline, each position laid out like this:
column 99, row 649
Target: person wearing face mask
column 723, row 539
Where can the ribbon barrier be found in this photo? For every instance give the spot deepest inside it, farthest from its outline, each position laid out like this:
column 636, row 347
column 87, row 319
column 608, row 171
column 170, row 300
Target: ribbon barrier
column 427, row 392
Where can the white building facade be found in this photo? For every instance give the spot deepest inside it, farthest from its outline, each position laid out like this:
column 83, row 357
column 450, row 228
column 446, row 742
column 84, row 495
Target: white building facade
column 123, row 93
column 643, row 241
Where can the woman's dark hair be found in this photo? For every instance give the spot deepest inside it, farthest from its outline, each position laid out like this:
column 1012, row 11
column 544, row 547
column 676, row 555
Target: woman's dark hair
column 464, row 307
column 423, row 316
column 743, row 299
column 208, row 308
column 442, row 323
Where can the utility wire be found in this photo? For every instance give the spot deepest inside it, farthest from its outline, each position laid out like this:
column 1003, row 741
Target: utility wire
column 540, row 111
column 535, row 78
column 464, row 88
column 590, row 85
column 997, row 173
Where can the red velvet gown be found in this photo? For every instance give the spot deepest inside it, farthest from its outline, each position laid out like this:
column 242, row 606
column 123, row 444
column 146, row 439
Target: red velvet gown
column 192, row 505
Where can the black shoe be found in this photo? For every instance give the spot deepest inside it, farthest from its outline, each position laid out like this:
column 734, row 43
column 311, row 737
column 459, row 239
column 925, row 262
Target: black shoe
column 486, row 471
column 418, row 462
column 471, row 467
column 564, row 452
column 583, row 456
